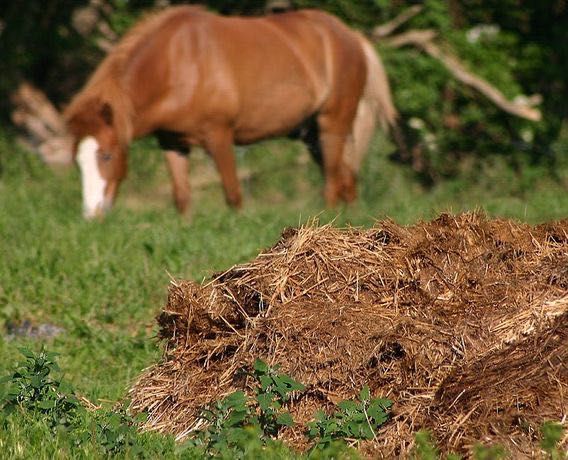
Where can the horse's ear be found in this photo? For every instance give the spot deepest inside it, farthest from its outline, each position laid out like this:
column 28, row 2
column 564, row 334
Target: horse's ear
column 106, row 113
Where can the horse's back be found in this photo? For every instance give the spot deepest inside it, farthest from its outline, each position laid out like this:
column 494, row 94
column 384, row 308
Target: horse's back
column 289, row 66
column 279, row 69
column 263, row 75
column 348, row 69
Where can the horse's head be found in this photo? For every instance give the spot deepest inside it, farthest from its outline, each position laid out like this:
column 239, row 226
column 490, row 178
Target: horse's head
column 100, row 154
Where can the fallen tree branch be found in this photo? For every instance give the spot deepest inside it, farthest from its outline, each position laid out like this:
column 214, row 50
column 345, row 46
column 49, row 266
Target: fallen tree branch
column 31, row 101
column 94, row 17
column 423, row 39
column 412, row 37
column 109, row 36
column 389, row 27
column 43, row 123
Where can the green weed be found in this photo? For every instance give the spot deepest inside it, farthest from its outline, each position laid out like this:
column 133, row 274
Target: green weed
column 482, row 452
column 272, row 391
column 354, row 420
column 425, row 449
column 552, row 434
column 33, row 387
column 232, row 421
column 37, row 394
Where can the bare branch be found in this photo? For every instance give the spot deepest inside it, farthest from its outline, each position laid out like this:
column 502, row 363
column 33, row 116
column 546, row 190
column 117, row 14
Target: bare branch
column 104, row 44
column 31, row 101
column 423, row 39
column 94, row 17
column 43, row 124
column 389, row 27
column 412, row 37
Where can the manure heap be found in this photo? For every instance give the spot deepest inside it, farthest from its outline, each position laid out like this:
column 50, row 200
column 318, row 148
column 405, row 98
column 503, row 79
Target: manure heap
column 462, row 322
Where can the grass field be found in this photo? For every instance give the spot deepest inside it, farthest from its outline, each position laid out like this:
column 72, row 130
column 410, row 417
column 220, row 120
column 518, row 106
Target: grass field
column 103, row 282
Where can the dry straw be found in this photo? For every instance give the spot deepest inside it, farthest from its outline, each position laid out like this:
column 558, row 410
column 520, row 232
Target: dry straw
column 462, row 322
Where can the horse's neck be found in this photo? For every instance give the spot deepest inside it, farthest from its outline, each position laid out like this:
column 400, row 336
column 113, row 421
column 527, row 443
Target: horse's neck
column 122, row 110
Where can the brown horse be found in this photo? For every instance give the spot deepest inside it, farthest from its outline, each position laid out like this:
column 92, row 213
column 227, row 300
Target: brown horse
column 191, row 77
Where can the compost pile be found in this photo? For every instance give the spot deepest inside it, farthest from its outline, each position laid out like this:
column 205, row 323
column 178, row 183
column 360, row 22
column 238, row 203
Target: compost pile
column 462, row 322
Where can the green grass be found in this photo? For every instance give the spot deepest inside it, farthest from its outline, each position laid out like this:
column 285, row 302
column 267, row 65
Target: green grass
column 104, row 282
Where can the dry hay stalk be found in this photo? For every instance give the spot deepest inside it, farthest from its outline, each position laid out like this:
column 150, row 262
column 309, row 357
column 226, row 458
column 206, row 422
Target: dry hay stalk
column 447, row 318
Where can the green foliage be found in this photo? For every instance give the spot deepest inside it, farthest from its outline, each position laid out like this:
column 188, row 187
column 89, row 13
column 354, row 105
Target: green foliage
column 482, row 452
column 32, row 387
column 450, row 122
column 424, row 448
column 272, row 391
column 552, row 434
column 33, row 390
column 115, row 431
column 233, row 420
column 335, row 450
column 454, row 127
column 226, row 426
column 354, row 420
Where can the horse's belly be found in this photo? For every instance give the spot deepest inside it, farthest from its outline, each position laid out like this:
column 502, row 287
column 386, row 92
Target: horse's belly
column 272, row 115
column 254, row 133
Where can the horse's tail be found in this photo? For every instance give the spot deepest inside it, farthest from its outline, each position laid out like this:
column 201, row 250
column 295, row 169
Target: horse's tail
column 375, row 105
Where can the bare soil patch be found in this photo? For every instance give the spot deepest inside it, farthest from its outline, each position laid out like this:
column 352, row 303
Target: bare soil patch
column 462, row 322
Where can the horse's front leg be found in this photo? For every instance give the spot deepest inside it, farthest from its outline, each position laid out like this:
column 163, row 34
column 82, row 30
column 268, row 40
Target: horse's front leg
column 333, row 144
column 340, row 180
column 348, row 171
column 178, row 166
column 219, row 144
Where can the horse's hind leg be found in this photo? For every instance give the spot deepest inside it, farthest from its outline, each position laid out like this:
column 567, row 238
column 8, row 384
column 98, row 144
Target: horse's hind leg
column 219, row 144
column 348, row 174
column 178, row 166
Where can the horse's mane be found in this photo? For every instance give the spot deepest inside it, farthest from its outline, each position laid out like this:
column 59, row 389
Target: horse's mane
column 105, row 85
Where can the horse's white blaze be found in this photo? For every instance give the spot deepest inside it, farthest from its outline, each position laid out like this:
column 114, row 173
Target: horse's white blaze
column 93, row 183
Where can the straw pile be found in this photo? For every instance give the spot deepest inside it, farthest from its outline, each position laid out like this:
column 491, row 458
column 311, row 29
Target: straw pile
column 462, row 322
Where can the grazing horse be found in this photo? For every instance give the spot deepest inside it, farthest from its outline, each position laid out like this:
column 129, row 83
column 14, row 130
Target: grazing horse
column 191, row 77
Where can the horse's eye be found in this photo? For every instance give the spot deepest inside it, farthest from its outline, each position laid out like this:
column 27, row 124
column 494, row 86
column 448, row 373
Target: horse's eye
column 105, row 156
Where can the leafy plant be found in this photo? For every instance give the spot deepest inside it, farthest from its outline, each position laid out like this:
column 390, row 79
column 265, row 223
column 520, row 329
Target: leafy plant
column 33, row 387
column 272, row 391
column 226, row 424
column 481, row 452
column 424, row 447
column 551, row 436
column 235, row 418
column 354, row 420
column 115, row 431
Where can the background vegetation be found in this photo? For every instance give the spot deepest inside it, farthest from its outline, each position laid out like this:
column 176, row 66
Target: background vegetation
column 517, row 45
